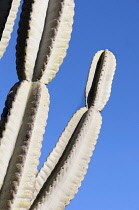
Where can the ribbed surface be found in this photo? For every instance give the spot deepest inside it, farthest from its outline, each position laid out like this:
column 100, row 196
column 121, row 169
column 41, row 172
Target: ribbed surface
column 5, row 6
column 44, row 32
column 91, row 73
column 65, row 183
column 18, row 187
column 43, row 38
column 55, row 38
column 8, row 11
column 29, row 35
column 15, row 106
column 55, row 155
column 100, row 79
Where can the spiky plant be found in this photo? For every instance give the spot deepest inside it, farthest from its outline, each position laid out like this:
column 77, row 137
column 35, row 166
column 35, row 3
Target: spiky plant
column 43, row 35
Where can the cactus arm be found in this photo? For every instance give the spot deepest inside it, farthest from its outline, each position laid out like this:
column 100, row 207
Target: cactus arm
column 15, row 105
column 29, row 35
column 55, row 155
column 102, row 70
column 55, row 38
column 18, row 188
column 42, row 45
column 66, row 178
column 8, row 11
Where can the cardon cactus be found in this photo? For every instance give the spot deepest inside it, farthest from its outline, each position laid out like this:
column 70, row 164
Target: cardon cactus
column 44, row 32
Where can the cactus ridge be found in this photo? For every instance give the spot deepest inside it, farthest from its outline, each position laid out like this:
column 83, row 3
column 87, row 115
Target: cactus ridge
column 8, row 11
column 56, row 36
column 22, row 169
column 57, row 152
column 4, row 12
column 29, row 35
column 8, row 106
column 16, row 103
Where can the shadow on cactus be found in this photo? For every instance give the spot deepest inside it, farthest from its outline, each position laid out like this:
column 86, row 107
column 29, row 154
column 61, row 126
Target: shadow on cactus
column 44, row 32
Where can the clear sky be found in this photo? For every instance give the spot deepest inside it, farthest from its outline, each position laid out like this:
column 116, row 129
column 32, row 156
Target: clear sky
column 112, row 181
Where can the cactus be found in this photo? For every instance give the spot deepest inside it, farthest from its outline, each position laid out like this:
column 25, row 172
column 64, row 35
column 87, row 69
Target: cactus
column 44, row 32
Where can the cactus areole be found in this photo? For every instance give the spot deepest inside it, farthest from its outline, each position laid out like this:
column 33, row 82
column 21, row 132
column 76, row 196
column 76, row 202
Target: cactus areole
column 23, row 121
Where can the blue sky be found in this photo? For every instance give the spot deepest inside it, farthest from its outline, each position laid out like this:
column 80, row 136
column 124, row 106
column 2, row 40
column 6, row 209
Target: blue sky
column 112, row 179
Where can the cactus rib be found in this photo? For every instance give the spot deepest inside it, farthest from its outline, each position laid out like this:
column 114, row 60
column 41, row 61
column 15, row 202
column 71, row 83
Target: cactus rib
column 55, row 38
column 29, row 35
column 56, row 153
column 16, row 104
column 8, row 11
column 18, row 188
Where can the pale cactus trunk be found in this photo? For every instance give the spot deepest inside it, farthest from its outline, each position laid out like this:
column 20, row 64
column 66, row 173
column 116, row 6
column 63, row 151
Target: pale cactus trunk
column 43, row 37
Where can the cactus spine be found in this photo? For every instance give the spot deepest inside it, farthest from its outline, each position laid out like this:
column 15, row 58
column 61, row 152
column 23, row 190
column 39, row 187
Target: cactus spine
column 44, row 32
